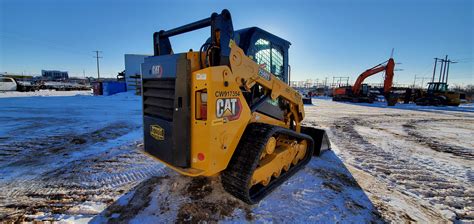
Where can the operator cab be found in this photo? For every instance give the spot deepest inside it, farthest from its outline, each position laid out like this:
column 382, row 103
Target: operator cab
column 271, row 53
column 266, row 49
column 365, row 90
column 437, row 87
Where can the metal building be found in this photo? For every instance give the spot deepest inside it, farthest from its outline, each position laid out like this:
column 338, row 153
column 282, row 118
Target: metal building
column 54, row 75
column 133, row 64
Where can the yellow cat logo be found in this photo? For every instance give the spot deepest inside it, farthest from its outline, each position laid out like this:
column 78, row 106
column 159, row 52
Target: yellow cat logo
column 229, row 108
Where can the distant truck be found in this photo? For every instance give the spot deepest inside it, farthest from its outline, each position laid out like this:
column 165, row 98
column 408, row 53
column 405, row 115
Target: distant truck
column 12, row 84
column 8, row 84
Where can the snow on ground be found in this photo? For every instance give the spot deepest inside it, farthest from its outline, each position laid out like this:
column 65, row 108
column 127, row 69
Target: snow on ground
column 77, row 159
column 57, row 153
column 466, row 107
column 426, row 155
column 324, row 191
column 9, row 94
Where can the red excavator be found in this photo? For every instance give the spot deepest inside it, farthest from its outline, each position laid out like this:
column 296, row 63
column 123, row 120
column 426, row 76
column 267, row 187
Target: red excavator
column 359, row 93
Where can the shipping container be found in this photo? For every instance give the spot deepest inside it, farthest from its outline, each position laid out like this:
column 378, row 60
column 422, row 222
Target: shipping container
column 111, row 88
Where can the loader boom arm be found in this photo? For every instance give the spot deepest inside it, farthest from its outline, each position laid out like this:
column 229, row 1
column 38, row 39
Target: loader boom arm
column 223, row 50
column 249, row 73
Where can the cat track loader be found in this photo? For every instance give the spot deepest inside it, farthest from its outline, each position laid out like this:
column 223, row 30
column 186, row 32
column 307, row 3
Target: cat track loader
column 227, row 109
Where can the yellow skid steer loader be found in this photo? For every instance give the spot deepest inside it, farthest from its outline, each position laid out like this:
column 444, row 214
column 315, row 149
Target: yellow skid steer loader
column 227, row 109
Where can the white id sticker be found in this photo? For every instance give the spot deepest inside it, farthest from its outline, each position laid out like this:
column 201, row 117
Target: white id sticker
column 201, row 76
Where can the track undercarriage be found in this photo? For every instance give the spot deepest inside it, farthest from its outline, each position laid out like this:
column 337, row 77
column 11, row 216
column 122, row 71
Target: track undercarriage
column 261, row 164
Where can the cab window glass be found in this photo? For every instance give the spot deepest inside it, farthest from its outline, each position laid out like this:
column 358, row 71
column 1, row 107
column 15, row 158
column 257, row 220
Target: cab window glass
column 269, row 56
column 431, row 86
column 442, row 87
column 262, row 53
column 277, row 62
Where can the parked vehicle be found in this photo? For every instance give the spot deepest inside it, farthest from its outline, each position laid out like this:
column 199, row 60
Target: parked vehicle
column 8, row 84
column 438, row 94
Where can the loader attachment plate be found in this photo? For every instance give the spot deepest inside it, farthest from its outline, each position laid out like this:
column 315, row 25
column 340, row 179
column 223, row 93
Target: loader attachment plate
column 307, row 101
column 320, row 138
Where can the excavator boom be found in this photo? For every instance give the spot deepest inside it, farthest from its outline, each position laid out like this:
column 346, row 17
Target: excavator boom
column 357, row 93
column 388, row 68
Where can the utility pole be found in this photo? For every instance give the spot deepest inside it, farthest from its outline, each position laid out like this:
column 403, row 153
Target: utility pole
column 97, row 57
column 434, row 70
column 414, row 81
column 441, row 69
column 444, row 68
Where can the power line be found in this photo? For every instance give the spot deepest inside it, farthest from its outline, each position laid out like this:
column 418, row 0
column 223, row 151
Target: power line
column 97, row 57
column 422, row 80
column 443, row 70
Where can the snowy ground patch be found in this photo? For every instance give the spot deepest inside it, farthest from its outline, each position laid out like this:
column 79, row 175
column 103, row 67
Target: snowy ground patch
column 9, row 94
column 60, row 155
column 78, row 159
column 413, row 106
column 324, row 191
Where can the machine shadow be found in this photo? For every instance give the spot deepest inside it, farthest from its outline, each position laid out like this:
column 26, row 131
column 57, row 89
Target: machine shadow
column 324, row 191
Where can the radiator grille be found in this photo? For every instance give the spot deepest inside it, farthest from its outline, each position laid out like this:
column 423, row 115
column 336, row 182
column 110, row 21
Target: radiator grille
column 158, row 97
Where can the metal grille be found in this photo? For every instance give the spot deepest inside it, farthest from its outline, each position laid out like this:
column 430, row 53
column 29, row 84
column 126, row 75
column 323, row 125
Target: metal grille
column 158, row 97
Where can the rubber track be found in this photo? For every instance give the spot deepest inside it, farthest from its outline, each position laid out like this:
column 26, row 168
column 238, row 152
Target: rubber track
column 237, row 176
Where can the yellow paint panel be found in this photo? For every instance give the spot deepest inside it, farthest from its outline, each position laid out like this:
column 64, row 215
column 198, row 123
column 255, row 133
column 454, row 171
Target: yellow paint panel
column 217, row 137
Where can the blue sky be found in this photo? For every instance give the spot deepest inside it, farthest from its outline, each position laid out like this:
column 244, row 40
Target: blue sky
column 329, row 38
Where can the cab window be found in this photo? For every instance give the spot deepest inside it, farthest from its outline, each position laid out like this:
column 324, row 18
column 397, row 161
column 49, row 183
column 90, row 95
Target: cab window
column 431, row 86
column 442, row 87
column 269, row 56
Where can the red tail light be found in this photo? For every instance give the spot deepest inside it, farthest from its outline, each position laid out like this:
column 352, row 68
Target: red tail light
column 204, row 111
column 201, row 105
column 204, row 106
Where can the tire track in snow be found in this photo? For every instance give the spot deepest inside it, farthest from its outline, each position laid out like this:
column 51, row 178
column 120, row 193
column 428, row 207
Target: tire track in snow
column 413, row 130
column 417, row 177
column 99, row 177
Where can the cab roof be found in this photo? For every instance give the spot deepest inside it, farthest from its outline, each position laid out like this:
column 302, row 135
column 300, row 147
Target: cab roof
column 244, row 37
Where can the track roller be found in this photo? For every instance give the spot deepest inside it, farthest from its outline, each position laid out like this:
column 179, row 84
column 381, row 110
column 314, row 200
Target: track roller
column 265, row 157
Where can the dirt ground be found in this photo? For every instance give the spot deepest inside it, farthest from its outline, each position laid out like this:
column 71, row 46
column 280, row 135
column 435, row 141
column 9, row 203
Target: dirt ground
column 387, row 165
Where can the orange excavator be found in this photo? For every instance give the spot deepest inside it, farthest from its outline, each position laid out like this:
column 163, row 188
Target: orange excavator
column 359, row 92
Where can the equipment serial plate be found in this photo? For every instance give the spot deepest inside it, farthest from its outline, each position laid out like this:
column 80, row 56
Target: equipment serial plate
column 157, row 132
